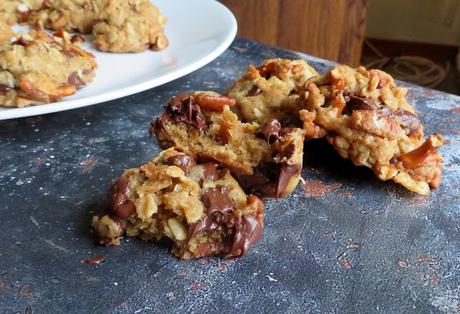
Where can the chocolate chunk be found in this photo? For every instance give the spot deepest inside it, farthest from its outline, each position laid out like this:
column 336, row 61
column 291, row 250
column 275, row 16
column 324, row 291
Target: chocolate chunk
column 406, row 119
column 75, row 80
column 4, row 89
column 217, row 200
column 182, row 161
column 270, row 131
column 239, row 233
column 358, row 103
column 120, row 204
column 248, row 232
column 285, row 175
column 181, row 108
column 211, row 171
column 254, row 91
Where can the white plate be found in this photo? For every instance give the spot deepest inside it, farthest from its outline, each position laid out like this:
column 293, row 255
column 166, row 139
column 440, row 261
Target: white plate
column 198, row 31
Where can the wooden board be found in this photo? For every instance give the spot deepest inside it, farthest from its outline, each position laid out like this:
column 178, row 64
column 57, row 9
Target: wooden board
column 331, row 29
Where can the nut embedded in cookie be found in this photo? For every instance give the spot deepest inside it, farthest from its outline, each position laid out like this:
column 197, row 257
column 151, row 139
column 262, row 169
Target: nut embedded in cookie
column 39, row 68
column 202, row 125
column 369, row 121
column 198, row 206
column 271, row 91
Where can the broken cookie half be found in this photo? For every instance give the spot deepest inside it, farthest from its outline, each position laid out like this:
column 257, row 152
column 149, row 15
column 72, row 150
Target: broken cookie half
column 267, row 159
column 368, row 120
column 198, row 206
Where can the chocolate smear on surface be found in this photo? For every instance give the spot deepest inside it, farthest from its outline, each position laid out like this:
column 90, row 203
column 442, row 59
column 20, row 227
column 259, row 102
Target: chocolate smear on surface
column 95, row 261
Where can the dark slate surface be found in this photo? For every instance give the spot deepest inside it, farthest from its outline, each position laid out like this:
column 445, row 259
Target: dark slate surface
column 403, row 250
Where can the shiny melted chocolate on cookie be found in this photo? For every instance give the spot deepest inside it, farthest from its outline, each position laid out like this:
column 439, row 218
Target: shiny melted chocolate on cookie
column 181, row 108
column 184, row 162
column 239, row 232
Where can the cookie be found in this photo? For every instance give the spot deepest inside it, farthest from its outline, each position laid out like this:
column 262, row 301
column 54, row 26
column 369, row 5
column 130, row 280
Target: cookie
column 68, row 15
column 14, row 11
column 198, row 206
column 368, row 120
column 202, row 125
column 129, row 26
column 271, row 91
column 39, row 68
column 6, row 33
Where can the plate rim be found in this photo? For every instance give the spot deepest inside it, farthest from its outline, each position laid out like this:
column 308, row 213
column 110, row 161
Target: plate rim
column 13, row 113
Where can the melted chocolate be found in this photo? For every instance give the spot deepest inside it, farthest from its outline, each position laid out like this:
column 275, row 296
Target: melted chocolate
column 211, row 171
column 248, row 232
column 358, row 103
column 239, row 233
column 254, row 91
column 270, row 131
column 120, row 204
column 182, row 161
column 181, row 108
column 217, row 200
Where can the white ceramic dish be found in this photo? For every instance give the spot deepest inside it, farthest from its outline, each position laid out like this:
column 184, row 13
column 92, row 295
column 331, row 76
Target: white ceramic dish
column 198, row 31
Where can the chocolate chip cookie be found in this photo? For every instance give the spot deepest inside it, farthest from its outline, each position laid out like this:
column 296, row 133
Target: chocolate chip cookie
column 271, row 91
column 267, row 158
column 129, row 26
column 368, row 120
column 198, row 206
column 14, row 11
column 38, row 68
column 68, row 15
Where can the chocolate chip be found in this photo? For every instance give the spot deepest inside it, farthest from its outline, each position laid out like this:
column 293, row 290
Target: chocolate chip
column 270, row 131
column 120, row 204
column 181, row 108
column 182, row 161
column 4, row 89
column 254, row 91
column 217, row 199
column 248, row 232
column 358, row 103
column 75, row 80
column 211, row 171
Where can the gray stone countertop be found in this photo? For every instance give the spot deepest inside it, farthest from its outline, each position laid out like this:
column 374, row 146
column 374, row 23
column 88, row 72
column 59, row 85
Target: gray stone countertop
column 357, row 245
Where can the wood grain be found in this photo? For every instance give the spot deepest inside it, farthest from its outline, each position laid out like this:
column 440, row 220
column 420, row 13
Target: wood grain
column 331, row 29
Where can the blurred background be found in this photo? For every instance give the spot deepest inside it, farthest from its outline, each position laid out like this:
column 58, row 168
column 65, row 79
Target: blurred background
column 414, row 40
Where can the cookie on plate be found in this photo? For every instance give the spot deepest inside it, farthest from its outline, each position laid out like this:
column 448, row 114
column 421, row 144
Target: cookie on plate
column 368, row 120
column 14, row 11
column 68, row 15
column 267, row 158
column 271, row 91
column 38, row 68
column 198, row 206
column 129, row 26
